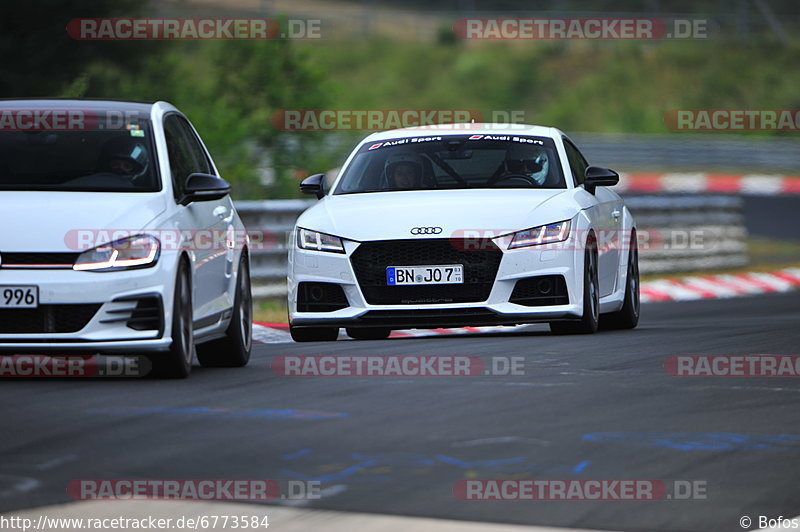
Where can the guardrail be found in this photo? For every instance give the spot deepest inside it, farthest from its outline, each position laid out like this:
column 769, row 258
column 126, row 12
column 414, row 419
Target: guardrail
column 676, row 233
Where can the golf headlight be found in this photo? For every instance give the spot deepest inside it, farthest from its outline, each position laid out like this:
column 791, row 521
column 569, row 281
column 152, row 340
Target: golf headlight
column 319, row 241
column 138, row 251
column 544, row 234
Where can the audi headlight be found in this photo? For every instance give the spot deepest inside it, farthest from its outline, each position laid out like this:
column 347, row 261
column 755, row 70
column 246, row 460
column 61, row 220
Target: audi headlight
column 307, row 239
column 543, row 234
column 138, row 251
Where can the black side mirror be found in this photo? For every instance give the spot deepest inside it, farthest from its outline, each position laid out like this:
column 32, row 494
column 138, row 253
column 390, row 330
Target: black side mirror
column 314, row 184
column 204, row 187
column 597, row 176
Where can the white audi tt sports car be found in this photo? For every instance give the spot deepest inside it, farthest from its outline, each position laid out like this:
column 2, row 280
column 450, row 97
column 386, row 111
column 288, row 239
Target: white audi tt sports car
column 118, row 236
column 438, row 227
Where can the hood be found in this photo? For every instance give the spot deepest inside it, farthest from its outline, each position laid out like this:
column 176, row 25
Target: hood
column 391, row 215
column 42, row 221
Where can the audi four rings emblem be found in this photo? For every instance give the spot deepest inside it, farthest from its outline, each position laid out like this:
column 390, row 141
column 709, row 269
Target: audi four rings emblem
column 426, row 230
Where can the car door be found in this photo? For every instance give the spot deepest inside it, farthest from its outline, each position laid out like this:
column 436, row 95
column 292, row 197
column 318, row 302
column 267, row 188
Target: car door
column 606, row 220
column 203, row 221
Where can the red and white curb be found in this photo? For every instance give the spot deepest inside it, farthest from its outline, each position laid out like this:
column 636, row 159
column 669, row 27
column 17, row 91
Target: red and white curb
column 687, row 288
column 747, row 184
column 720, row 286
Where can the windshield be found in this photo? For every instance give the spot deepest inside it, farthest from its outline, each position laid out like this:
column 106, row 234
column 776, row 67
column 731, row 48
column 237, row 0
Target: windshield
column 453, row 162
column 118, row 160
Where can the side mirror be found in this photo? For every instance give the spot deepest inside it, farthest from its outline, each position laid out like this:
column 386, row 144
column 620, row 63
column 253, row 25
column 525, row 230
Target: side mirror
column 597, row 176
column 204, row 187
column 314, row 184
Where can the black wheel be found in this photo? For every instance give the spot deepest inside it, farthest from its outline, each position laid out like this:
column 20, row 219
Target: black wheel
column 368, row 333
column 177, row 362
column 233, row 350
column 314, row 334
column 628, row 316
column 591, row 298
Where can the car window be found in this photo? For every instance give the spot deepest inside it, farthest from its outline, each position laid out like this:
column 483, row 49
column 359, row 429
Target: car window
column 577, row 163
column 453, row 162
column 181, row 158
column 201, row 164
column 80, row 160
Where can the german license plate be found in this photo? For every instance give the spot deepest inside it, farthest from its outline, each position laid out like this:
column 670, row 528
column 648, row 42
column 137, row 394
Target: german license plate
column 413, row 275
column 19, row 296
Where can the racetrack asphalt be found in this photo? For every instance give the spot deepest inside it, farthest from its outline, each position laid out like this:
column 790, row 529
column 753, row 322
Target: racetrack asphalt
column 587, row 407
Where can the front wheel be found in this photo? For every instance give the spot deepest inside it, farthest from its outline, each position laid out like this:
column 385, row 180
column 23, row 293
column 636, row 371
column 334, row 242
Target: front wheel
column 591, row 299
column 628, row 316
column 177, row 362
column 314, row 334
column 233, row 350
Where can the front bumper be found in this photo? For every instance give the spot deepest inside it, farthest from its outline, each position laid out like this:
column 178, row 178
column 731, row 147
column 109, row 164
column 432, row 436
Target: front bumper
column 496, row 309
column 66, row 319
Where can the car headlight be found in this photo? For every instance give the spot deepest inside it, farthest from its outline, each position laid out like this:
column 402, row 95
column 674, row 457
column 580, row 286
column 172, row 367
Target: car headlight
column 319, row 241
column 138, row 251
column 543, row 234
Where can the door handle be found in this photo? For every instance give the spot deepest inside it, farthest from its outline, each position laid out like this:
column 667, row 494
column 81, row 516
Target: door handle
column 220, row 212
column 615, row 213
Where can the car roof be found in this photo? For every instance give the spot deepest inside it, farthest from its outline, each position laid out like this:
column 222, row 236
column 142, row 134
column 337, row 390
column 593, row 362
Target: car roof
column 466, row 129
column 77, row 103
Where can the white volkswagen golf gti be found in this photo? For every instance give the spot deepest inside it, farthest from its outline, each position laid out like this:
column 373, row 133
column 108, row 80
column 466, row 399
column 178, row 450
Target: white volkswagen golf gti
column 118, row 236
column 445, row 227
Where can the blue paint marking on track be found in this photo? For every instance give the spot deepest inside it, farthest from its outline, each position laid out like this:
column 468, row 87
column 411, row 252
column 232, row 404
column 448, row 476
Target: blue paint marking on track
column 296, row 454
column 344, row 473
column 479, row 463
column 701, row 441
column 580, row 467
column 227, row 412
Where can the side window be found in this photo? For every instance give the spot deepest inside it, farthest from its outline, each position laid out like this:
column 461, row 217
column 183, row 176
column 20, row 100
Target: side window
column 201, row 164
column 576, row 162
column 181, row 160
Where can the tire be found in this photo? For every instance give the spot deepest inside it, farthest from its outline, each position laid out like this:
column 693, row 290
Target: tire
column 589, row 321
column 177, row 362
column 314, row 334
column 628, row 316
column 368, row 333
column 233, row 350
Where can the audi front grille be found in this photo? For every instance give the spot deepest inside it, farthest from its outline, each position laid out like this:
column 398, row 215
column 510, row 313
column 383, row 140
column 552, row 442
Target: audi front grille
column 480, row 259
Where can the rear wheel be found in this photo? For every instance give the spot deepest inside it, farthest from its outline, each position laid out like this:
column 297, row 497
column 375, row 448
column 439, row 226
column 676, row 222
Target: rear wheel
column 233, row 350
column 368, row 333
column 591, row 298
column 628, row 316
column 314, row 334
column 177, row 362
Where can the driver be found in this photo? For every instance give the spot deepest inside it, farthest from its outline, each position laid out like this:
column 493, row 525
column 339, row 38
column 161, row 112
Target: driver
column 533, row 163
column 123, row 156
column 404, row 171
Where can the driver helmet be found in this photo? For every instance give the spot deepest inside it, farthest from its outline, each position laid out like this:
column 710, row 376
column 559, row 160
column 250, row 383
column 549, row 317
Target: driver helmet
column 124, row 156
column 535, row 164
column 411, row 160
